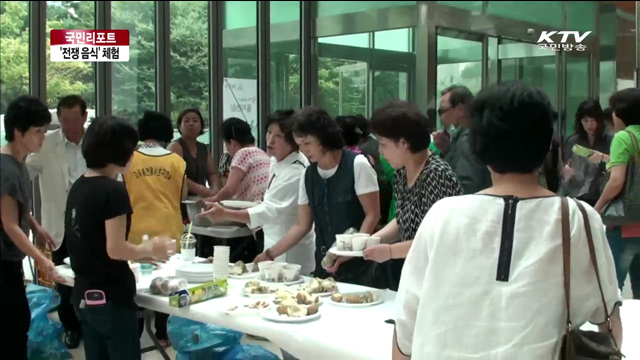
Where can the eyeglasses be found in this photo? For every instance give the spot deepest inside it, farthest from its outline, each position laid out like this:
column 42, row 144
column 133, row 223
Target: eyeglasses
column 442, row 111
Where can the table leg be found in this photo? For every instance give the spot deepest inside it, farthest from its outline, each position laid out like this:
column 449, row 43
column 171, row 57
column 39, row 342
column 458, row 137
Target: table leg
column 156, row 344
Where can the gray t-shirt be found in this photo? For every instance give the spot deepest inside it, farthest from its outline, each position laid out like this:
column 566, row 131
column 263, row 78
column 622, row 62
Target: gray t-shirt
column 15, row 183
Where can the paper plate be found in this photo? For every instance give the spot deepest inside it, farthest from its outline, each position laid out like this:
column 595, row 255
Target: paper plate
column 284, row 283
column 194, row 268
column 344, row 304
column 238, row 204
column 324, row 294
column 274, row 303
column 335, row 251
column 271, row 314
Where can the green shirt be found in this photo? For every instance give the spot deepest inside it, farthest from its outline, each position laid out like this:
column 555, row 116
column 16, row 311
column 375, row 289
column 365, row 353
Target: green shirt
column 622, row 147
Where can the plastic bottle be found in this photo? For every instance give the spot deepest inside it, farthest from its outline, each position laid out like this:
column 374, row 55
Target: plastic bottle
column 146, row 268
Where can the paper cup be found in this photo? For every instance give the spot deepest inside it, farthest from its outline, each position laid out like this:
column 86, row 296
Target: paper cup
column 361, row 234
column 250, row 267
column 187, row 254
column 344, row 242
column 264, row 264
column 271, row 273
column 291, row 272
column 358, row 243
column 372, row 241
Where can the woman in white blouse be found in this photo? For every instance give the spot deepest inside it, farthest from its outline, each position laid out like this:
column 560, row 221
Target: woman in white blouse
column 278, row 212
column 483, row 278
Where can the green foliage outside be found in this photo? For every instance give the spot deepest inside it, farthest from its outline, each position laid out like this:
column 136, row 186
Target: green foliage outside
column 134, row 82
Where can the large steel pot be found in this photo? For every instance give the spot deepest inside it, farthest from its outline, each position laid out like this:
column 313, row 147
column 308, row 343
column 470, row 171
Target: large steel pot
column 195, row 206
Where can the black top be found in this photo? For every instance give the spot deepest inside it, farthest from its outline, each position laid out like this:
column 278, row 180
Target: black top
column 196, row 166
column 335, row 207
column 602, row 144
column 92, row 201
column 435, row 182
column 16, row 184
column 334, row 204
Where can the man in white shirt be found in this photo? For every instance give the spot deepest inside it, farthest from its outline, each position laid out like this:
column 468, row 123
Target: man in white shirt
column 59, row 165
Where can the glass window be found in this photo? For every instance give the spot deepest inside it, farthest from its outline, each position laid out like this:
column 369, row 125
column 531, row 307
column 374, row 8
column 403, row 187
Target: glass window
column 389, row 86
column 14, row 54
column 134, row 82
column 240, row 54
column 284, row 11
column 459, row 62
column 362, row 40
column 531, row 64
column 392, row 60
column 577, row 86
column 393, row 40
column 190, row 60
column 473, row 6
column 66, row 78
column 581, row 16
column 342, row 86
column 285, row 55
column 537, row 12
column 331, row 8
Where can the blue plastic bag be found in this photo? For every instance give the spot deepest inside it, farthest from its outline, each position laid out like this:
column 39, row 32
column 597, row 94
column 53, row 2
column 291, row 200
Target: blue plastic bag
column 194, row 340
column 250, row 352
column 45, row 335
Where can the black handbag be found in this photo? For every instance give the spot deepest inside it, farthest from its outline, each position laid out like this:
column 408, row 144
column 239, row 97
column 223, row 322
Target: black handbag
column 581, row 344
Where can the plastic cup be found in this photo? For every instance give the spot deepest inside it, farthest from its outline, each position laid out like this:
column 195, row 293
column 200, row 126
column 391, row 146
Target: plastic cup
column 146, row 269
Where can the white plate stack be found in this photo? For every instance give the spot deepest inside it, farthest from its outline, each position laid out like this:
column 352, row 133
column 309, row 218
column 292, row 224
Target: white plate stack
column 221, row 262
column 195, row 273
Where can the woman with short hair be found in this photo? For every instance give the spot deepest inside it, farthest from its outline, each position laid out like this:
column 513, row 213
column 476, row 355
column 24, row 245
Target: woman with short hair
column 249, row 170
column 338, row 191
column 278, row 212
column 496, row 256
column 156, row 181
column 624, row 240
column 421, row 179
column 97, row 224
column 156, row 184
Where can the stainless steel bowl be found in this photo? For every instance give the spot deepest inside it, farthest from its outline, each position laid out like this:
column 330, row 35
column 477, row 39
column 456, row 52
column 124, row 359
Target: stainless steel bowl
column 195, row 205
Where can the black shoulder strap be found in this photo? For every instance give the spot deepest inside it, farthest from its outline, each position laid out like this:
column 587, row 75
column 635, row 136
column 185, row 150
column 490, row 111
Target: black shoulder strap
column 299, row 163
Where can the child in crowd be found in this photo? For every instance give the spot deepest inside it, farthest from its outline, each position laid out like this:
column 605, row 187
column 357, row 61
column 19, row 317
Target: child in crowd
column 97, row 224
column 25, row 124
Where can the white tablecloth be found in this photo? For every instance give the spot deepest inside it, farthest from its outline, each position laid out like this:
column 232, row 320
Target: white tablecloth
column 339, row 333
